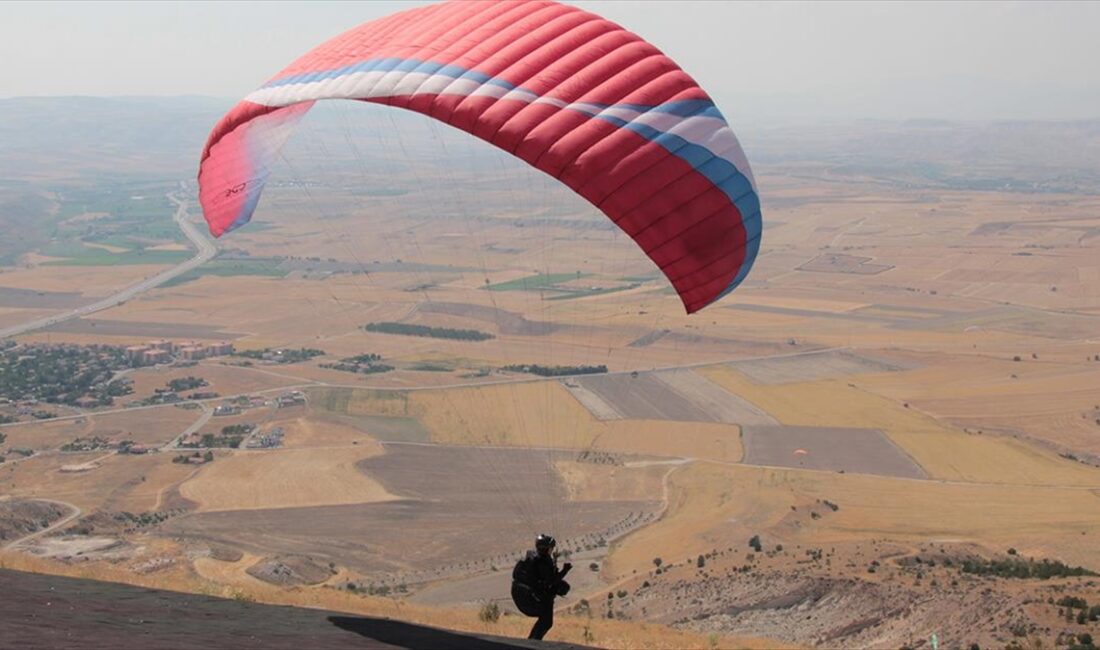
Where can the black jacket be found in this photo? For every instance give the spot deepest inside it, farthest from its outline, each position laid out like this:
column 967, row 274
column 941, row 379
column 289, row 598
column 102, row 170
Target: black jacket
column 547, row 575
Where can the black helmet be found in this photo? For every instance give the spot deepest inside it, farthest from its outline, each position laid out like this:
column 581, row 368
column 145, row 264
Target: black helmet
column 545, row 541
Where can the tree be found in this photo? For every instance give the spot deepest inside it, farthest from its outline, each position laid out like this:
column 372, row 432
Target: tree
column 700, row 562
column 657, row 562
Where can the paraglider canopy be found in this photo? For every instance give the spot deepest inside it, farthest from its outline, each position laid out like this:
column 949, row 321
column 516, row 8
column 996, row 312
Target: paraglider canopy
column 572, row 94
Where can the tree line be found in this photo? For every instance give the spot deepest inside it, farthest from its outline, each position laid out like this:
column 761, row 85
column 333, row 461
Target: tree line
column 407, row 329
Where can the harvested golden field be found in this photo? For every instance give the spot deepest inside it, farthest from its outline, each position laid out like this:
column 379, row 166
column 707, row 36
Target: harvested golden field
column 310, row 431
column 1050, row 398
column 133, row 483
column 147, row 426
column 943, row 452
column 534, row 414
column 222, row 379
column 15, row 315
column 92, row 281
column 47, row 435
column 285, row 478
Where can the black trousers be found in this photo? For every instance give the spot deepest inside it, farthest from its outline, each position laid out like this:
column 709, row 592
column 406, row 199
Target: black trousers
column 545, row 620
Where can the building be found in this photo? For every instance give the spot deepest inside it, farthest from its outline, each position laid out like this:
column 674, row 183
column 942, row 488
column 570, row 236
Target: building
column 293, row 398
column 218, row 349
column 191, row 353
column 135, row 353
column 155, row 356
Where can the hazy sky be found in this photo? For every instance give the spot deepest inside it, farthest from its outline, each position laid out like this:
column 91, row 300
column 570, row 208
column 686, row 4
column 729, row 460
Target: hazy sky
column 975, row 60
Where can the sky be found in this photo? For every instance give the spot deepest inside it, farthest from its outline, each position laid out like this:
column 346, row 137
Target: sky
column 781, row 60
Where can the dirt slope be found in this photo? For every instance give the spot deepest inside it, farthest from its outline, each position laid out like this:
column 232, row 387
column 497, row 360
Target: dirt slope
column 40, row 611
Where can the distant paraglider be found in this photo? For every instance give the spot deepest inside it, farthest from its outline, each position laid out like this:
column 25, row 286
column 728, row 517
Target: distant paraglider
column 570, row 93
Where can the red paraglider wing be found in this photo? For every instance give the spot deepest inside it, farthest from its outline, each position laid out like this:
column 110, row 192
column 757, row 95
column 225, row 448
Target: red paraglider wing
column 570, row 93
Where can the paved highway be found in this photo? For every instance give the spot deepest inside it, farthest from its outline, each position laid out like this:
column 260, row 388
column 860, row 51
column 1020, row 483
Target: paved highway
column 206, row 252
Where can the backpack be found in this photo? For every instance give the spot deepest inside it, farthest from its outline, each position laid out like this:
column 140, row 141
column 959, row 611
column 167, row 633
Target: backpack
column 524, row 572
column 524, row 579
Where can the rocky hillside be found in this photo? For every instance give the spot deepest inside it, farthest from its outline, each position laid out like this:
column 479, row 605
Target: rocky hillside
column 21, row 517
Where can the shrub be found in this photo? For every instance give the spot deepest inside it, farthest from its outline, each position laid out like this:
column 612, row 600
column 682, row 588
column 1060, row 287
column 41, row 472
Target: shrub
column 489, row 612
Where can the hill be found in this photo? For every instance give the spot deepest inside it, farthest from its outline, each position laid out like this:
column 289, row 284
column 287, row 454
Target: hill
column 40, row 611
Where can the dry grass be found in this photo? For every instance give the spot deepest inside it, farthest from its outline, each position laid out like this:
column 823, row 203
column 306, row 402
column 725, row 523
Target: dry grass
column 539, row 414
column 285, row 478
column 943, row 452
column 92, row 281
column 224, row 380
column 133, row 483
column 591, row 482
column 713, row 505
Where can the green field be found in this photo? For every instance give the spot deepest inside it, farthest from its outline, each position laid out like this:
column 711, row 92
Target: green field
column 535, row 282
column 230, row 268
column 584, row 293
column 94, row 257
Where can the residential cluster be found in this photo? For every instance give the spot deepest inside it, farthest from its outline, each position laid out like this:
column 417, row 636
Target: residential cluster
column 293, row 398
column 165, row 351
column 77, row 375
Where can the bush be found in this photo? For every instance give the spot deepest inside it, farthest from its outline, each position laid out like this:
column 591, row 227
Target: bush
column 754, row 542
column 1020, row 568
column 489, row 612
column 700, row 562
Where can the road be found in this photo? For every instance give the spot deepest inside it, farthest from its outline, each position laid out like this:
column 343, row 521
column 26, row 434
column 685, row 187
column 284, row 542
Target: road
column 206, row 252
column 195, row 426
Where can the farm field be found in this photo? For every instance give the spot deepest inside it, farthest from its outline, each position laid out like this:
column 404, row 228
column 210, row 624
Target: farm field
column 432, row 486
column 849, row 451
column 152, row 426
